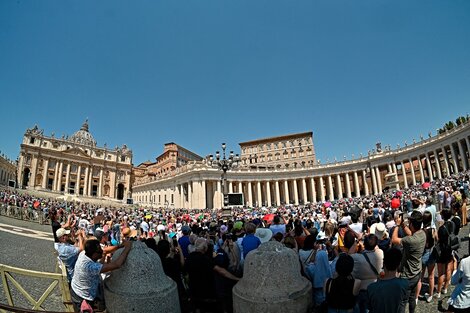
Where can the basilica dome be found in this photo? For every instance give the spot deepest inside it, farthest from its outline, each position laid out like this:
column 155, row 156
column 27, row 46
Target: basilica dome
column 83, row 136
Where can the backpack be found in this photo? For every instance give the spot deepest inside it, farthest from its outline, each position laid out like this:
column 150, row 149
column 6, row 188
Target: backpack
column 454, row 240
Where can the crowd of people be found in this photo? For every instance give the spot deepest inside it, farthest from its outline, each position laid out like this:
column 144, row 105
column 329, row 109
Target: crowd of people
column 377, row 253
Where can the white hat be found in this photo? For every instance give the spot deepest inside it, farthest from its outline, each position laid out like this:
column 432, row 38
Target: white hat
column 61, row 232
column 264, row 234
column 379, row 230
column 321, row 236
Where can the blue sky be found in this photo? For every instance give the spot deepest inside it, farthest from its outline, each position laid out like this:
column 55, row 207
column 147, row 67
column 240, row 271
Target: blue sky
column 199, row 73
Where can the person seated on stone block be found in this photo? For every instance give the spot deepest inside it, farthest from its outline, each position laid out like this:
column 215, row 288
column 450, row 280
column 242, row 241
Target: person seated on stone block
column 86, row 281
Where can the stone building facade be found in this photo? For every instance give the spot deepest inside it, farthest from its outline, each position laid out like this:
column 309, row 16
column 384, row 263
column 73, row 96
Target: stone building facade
column 7, row 171
column 173, row 156
column 288, row 151
column 197, row 185
column 74, row 165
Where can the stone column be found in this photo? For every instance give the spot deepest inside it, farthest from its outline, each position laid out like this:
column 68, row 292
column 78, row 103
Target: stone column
column 202, row 197
column 467, row 142
column 314, row 191
column 56, row 176
column 240, row 187
column 379, row 179
column 348, row 185
column 195, row 197
column 258, row 193
column 357, row 190
column 438, row 165
column 340, row 186
column 304, row 191
column 190, row 194
column 462, row 155
column 90, row 182
column 182, row 196
column 85, row 182
column 79, row 178
column 455, row 161
column 268, row 193
column 230, row 187
column 389, row 168
column 286, row 190
column 374, row 181
column 429, row 168
column 67, row 178
column 446, row 160
column 250, row 194
column 364, row 181
column 45, row 173
column 322, row 189
column 412, row 168
column 34, row 169
column 59, row 181
column 278, row 194
column 296, row 192
column 403, row 172
column 420, row 166
column 394, row 167
column 330, row 189
column 100, row 184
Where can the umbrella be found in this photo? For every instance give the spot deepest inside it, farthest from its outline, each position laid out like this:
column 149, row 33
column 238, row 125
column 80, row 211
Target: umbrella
column 426, row 185
column 149, row 216
column 36, row 204
column 269, row 217
column 327, row 204
column 186, row 217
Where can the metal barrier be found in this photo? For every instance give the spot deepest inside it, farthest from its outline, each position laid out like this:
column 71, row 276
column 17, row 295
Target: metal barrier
column 25, row 214
column 59, row 279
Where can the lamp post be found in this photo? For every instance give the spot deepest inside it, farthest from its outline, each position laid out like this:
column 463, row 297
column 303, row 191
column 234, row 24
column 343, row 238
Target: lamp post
column 224, row 163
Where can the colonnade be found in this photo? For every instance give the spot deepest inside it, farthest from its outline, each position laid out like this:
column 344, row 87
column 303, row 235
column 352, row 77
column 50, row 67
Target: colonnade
column 364, row 177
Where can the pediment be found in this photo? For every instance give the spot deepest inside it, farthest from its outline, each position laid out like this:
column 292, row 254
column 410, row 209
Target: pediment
column 76, row 151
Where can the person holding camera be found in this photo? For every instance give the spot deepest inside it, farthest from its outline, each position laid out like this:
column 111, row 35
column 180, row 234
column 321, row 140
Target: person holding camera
column 413, row 247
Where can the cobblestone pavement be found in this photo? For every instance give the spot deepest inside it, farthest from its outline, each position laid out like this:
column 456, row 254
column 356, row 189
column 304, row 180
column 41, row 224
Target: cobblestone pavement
column 20, row 249
column 38, row 254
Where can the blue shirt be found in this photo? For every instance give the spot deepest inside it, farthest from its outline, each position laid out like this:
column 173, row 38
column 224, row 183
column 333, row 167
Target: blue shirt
column 86, row 278
column 68, row 254
column 250, row 242
column 184, row 243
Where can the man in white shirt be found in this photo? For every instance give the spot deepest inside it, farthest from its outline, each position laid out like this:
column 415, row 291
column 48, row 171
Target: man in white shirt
column 144, row 228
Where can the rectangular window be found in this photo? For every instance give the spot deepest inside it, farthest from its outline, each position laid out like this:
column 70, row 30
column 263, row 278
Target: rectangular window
column 31, row 141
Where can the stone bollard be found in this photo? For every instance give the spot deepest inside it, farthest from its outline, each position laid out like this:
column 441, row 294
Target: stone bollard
column 272, row 282
column 140, row 285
